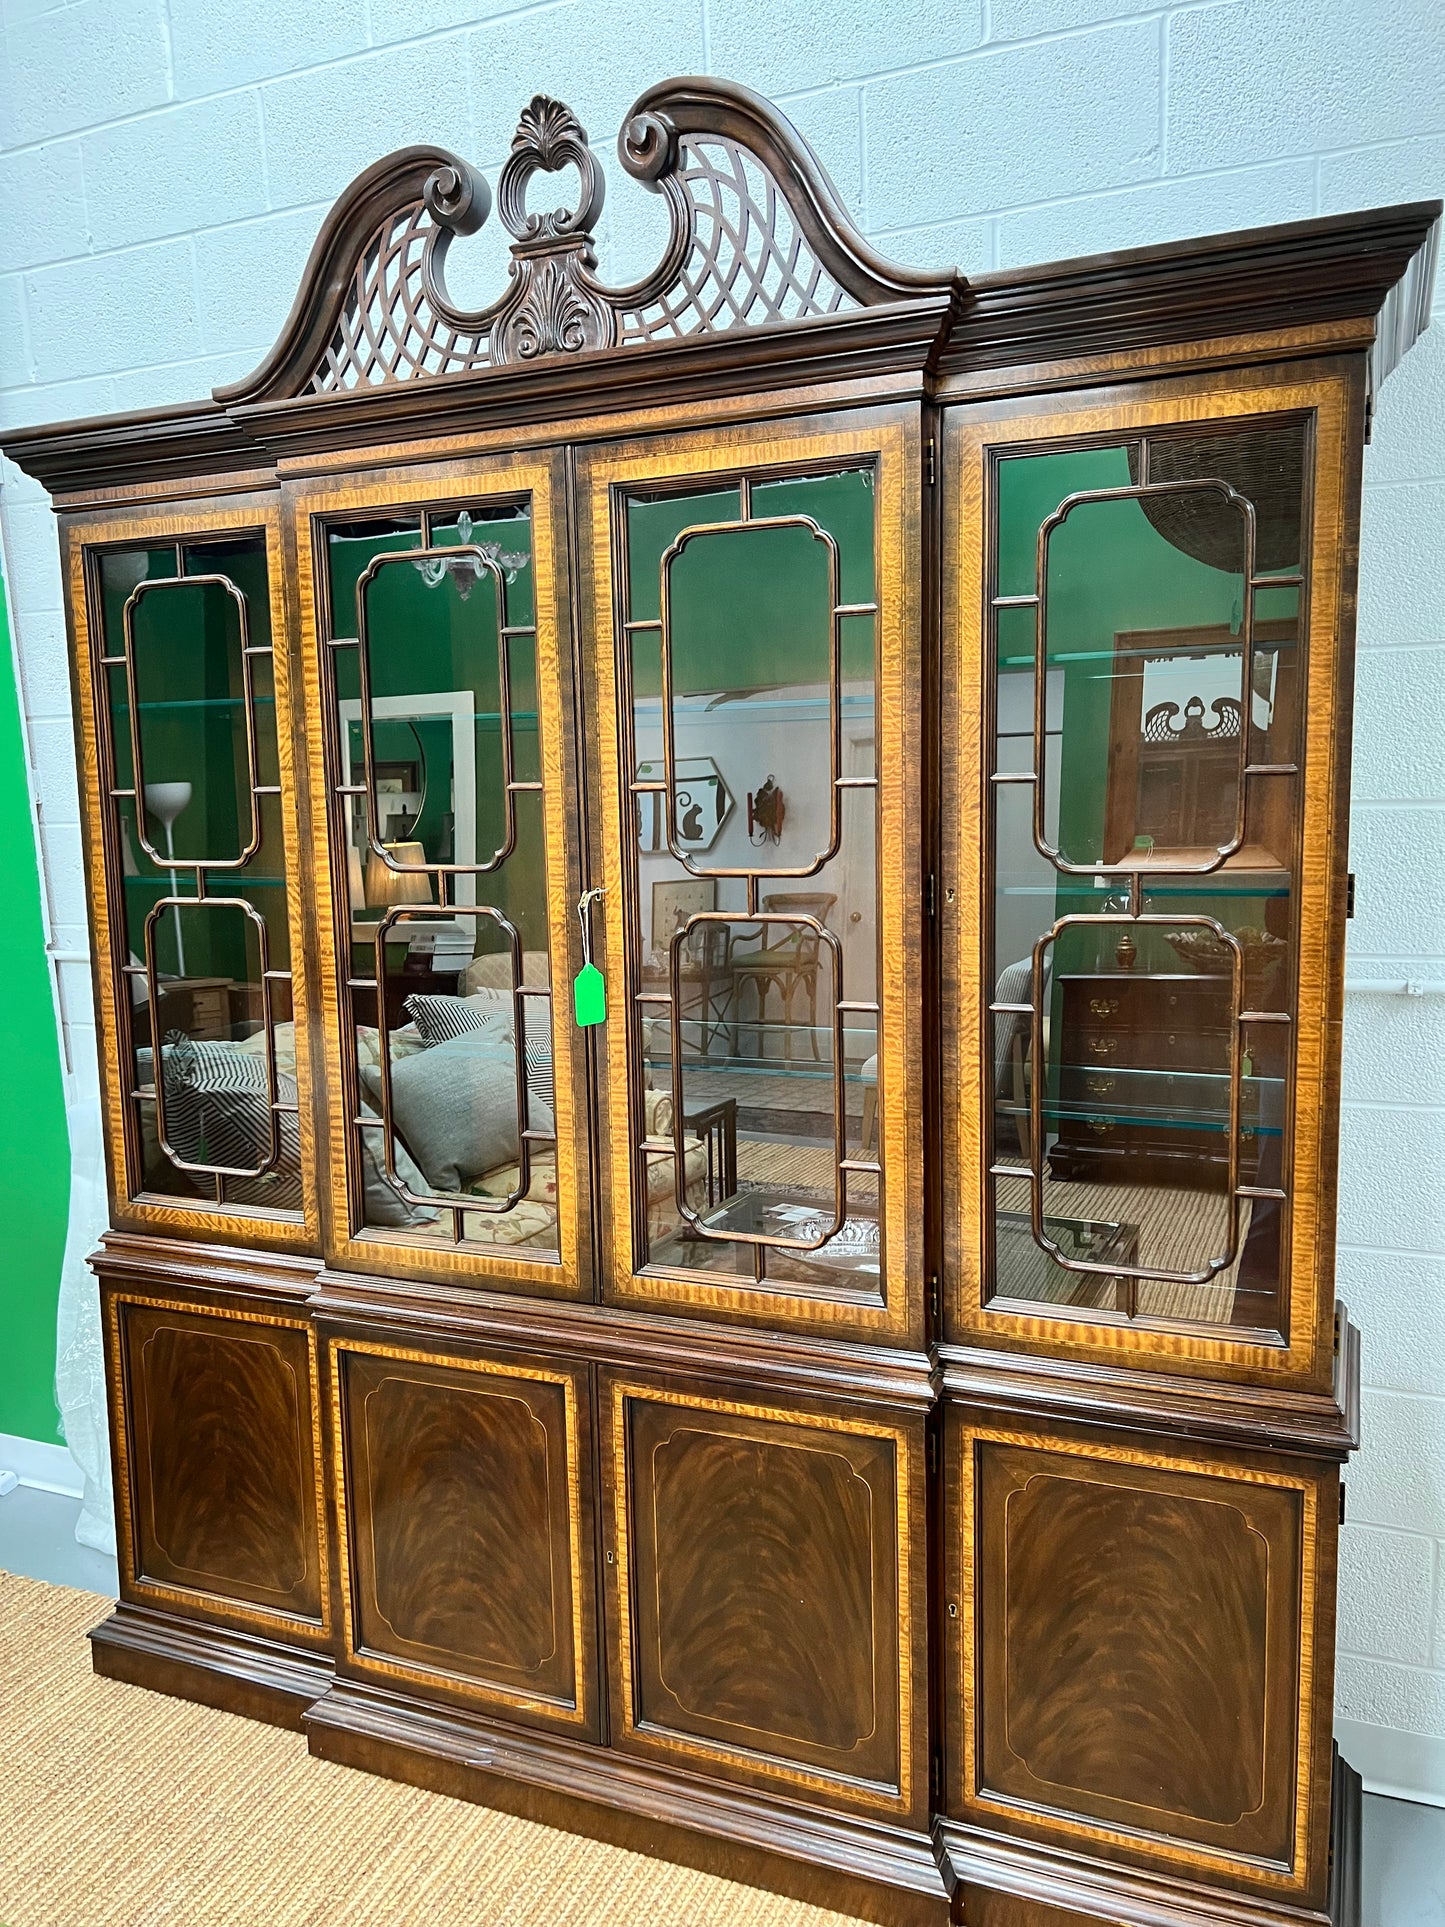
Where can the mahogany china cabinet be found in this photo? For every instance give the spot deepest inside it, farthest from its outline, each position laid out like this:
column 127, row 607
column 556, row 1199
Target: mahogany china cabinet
column 718, row 914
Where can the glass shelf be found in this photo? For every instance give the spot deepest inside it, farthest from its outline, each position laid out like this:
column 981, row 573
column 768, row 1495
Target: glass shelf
column 159, row 704
column 241, row 879
column 1091, row 893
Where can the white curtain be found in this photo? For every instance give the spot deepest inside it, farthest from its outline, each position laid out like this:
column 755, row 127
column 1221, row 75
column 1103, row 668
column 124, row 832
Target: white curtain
column 79, row 1354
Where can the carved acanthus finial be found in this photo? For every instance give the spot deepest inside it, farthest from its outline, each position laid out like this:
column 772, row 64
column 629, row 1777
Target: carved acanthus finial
column 552, row 305
column 549, row 137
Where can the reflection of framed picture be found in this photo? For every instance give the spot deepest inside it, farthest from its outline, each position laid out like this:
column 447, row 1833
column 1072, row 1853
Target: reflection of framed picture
column 398, row 798
column 674, row 901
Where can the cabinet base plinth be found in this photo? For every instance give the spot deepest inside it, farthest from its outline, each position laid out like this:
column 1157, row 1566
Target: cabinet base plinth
column 1013, row 1883
column 878, row 1872
column 236, row 1672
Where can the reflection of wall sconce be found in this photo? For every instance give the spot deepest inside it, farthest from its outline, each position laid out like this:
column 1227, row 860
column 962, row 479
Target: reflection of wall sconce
column 385, row 886
column 766, row 811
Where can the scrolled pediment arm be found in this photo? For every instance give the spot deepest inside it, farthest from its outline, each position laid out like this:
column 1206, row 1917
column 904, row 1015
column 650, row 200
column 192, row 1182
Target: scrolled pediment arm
column 667, row 117
column 455, row 195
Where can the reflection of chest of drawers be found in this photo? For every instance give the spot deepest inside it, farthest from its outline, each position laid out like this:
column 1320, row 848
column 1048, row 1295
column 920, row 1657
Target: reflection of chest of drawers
column 1139, row 1086
column 208, row 1007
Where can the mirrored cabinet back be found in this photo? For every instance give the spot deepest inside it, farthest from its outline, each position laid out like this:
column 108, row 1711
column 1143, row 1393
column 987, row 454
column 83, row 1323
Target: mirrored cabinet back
column 718, row 915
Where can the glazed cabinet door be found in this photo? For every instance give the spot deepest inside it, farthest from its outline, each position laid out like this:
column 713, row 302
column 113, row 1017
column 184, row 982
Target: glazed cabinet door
column 1138, row 1651
column 440, row 730
column 755, row 663
column 765, row 1566
column 185, row 728
column 1147, row 606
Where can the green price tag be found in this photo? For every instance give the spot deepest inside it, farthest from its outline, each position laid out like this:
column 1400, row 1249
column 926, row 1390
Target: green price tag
column 589, row 987
column 589, row 996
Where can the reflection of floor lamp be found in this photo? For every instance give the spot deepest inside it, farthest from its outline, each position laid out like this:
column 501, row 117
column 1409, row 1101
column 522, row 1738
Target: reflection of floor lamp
column 165, row 801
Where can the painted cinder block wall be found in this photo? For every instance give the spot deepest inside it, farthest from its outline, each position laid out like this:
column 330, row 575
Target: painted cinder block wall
column 166, row 164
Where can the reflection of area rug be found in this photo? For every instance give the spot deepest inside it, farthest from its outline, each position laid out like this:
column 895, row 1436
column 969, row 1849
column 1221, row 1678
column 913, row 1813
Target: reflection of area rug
column 804, row 1171
column 1176, row 1230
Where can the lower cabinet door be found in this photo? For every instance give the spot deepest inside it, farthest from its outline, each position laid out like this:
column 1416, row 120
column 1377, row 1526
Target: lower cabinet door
column 466, row 1529
column 1139, row 1637
column 219, row 1487
column 766, row 1592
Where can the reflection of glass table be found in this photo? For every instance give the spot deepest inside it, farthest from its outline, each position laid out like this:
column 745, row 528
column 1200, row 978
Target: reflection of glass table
column 1023, row 1270
column 856, row 1248
column 706, row 1000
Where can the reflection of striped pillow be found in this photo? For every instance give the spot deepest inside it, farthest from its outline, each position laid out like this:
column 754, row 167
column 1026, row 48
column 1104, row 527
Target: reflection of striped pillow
column 440, row 1019
column 218, row 1107
column 537, row 1049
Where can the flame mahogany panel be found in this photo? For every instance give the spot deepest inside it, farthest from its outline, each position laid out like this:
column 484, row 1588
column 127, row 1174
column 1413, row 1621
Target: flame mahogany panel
column 1139, row 1632
column 222, row 1453
column 465, row 1521
column 764, row 1610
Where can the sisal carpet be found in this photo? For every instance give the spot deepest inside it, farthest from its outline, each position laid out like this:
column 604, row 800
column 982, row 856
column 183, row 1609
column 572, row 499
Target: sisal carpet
column 121, row 1808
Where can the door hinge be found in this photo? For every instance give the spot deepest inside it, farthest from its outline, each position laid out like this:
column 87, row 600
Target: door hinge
column 935, row 1774
column 1350, row 894
column 1342, row 1502
column 935, row 1299
column 930, row 895
column 932, row 1453
column 930, row 461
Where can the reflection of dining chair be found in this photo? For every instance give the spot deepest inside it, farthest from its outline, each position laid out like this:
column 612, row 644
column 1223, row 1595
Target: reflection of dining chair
column 788, row 966
column 1012, row 1065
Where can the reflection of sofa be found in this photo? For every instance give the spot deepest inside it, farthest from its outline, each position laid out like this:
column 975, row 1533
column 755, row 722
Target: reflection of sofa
column 454, row 1111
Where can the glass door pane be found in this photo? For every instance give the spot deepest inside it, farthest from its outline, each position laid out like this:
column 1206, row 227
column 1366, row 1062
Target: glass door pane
column 446, row 854
column 748, row 926
column 191, row 751
column 1145, row 663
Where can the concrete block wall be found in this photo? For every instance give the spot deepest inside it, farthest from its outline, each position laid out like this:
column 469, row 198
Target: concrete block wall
column 164, row 165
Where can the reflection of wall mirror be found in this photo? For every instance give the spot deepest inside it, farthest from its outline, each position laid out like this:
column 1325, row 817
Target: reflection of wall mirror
column 702, row 804
column 454, row 706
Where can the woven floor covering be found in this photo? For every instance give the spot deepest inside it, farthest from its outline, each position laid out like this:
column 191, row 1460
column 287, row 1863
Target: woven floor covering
column 122, row 1808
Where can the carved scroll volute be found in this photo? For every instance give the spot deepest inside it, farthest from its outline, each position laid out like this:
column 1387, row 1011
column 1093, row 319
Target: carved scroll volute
column 553, row 305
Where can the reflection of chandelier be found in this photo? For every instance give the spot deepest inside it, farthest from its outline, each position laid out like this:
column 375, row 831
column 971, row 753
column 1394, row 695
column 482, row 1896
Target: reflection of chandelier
column 1266, row 465
column 467, row 570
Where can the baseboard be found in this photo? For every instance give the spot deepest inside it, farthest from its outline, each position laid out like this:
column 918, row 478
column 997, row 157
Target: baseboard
column 48, row 1468
column 238, row 1672
column 1403, row 1766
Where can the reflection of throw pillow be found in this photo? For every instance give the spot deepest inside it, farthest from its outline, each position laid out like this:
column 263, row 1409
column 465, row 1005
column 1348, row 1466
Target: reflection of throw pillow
column 440, row 1019
column 382, row 1203
column 456, row 1107
column 217, row 1112
column 217, row 1103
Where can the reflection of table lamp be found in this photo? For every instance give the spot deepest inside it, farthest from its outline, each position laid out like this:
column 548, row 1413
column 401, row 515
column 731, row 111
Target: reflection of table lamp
column 385, row 886
column 165, row 801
